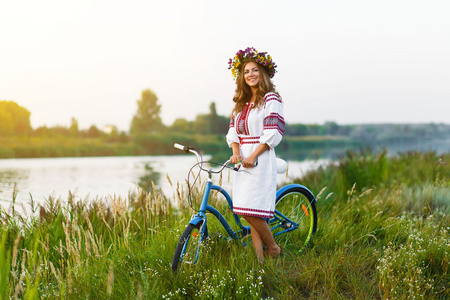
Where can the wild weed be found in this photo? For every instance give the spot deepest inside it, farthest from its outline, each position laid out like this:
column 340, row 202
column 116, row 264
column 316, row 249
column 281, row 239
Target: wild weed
column 379, row 236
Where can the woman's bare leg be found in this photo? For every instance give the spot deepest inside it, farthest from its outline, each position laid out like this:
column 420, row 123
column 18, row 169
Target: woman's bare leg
column 257, row 243
column 260, row 226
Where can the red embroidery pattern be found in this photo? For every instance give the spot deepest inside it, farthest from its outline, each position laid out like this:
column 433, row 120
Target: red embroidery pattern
column 271, row 97
column 249, row 140
column 253, row 212
column 242, row 120
column 274, row 121
column 231, row 122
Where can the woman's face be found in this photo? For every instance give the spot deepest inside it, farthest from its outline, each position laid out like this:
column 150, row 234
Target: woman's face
column 251, row 74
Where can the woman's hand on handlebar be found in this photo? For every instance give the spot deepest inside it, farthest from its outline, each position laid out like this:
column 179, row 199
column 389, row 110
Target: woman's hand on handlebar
column 249, row 162
column 235, row 159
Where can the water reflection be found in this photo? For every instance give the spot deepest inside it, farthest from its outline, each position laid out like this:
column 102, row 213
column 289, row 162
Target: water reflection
column 88, row 177
column 149, row 178
column 8, row 182
column 102, row 177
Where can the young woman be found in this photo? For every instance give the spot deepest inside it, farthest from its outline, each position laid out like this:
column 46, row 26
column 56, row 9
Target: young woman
column 256, row 128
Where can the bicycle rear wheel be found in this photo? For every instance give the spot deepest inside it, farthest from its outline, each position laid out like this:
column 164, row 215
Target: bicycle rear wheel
column 189, row 245
column 295, row 219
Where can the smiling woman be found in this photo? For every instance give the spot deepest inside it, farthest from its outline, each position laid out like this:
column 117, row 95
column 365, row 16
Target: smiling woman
column 251, row 74
column 256, row 128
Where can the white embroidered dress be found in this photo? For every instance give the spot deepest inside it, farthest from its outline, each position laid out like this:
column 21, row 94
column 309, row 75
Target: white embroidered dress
column 254, row 194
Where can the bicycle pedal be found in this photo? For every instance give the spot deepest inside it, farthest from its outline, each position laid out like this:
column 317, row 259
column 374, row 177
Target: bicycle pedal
column 287, row 225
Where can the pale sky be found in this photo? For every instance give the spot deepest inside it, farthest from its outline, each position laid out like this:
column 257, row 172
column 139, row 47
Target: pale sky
column 383, row 61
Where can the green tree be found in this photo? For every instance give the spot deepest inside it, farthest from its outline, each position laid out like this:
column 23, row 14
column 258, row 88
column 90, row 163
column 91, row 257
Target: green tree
column 114, row 132
column 6, row 124
column 214, row 119
column 181, row 125
column 223, row 125
column 15, row 119
column 313, row 129
column 211, row 123
column 73, row 127
column 146, row 119
column 41, row 131
column 296, row 129
column 330, row 128
column 93, row 132
column 201, row 124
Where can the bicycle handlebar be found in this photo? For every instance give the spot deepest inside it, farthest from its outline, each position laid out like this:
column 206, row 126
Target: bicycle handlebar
column 182, row 148
column 189, row 149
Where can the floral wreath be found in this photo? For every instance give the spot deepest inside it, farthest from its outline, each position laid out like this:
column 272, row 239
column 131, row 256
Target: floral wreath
column 250, row 53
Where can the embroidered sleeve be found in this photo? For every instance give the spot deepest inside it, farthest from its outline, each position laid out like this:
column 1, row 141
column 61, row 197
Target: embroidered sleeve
column 273, row 120
column 232, row 136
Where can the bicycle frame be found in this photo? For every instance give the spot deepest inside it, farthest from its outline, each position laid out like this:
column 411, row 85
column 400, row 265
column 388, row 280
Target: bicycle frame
column 205, row 207
column 279, row 223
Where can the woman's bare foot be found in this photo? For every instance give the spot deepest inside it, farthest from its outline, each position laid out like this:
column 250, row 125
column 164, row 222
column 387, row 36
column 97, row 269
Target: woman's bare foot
column 272, row 252
column 261, row 259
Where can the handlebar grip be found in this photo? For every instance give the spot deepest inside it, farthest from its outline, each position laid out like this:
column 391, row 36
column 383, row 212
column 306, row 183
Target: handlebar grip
column 239, row 165
column 178, row 146
column 183, row 148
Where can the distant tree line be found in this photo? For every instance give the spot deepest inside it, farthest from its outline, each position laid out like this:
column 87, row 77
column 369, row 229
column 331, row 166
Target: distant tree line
column 147, row 119
column 211, row 123
column 15, row 120
column 371, row 132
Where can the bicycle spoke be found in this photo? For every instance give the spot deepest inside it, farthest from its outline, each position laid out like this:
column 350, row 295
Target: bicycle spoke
column 296, row 210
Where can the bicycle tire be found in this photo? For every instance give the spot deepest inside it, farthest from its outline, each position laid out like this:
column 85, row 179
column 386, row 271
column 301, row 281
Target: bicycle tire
column 189, row 246
column 297, row 204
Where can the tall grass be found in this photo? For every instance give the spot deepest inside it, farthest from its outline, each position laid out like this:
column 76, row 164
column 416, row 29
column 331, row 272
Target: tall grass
column 383, row 232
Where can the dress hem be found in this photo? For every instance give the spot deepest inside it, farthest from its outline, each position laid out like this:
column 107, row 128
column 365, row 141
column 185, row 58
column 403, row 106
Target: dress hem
column 255, row 214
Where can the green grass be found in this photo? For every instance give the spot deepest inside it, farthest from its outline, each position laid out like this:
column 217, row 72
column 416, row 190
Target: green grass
column 292, row 147
column 383, row 233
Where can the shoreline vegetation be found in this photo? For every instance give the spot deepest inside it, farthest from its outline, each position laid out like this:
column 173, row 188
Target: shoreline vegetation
column 383, row 233
column 292, row 147
column 162, row 144
column 149, row 136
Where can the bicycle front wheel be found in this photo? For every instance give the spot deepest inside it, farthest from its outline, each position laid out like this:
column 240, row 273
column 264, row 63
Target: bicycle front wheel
column 189, row 245
column 295, row 219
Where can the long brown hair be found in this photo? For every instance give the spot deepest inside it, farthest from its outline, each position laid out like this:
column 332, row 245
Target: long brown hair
column 243, row 93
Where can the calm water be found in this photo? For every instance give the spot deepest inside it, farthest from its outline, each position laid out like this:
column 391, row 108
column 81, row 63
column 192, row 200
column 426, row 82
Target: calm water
column 91, row 177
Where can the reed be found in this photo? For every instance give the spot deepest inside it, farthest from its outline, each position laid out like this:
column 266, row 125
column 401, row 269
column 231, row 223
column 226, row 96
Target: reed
column 386, row 236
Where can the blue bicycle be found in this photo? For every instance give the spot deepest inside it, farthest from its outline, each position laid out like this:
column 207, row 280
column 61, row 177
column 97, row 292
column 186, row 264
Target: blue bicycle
column 295, row 214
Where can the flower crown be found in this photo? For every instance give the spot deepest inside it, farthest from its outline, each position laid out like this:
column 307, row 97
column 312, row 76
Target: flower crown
column 250, row 53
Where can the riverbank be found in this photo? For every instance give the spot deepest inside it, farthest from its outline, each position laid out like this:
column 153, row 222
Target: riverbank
column 98, row 177
column 296, row 148
column 291, row 148
column 383, row 232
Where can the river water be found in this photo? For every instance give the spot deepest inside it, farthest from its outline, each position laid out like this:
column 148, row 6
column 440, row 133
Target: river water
column 100, row 177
